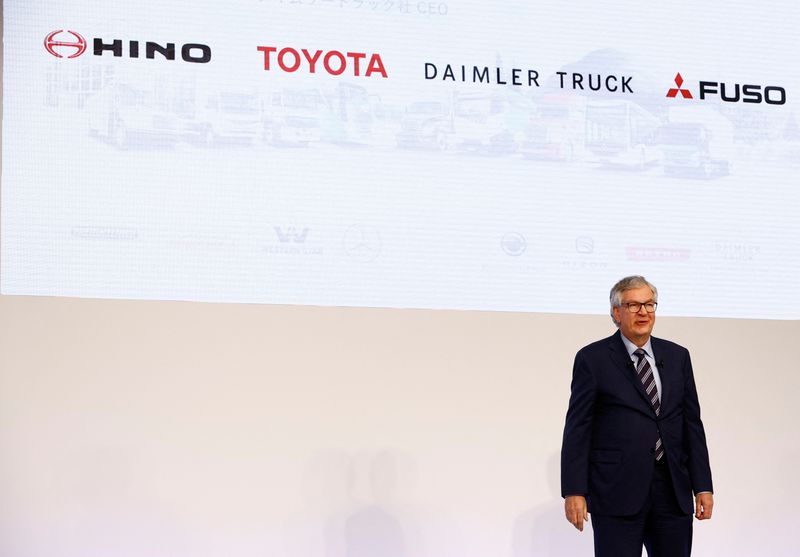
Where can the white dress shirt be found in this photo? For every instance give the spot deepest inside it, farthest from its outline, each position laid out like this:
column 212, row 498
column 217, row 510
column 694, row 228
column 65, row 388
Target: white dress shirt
column 648, row 354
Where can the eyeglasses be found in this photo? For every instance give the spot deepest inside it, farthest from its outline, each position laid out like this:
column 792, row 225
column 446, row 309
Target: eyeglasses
column 635, row 307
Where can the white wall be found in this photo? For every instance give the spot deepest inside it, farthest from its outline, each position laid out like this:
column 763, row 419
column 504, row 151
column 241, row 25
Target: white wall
column 165, row 428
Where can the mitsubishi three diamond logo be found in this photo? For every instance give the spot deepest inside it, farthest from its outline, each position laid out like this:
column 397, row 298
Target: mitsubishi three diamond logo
column 672, row 93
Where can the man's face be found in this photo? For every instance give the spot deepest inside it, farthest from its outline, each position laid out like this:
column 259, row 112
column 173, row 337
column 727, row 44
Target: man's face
column 636, row 326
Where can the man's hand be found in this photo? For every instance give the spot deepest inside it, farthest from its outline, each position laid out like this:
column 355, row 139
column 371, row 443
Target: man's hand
column 703, row 505
column 575, row 509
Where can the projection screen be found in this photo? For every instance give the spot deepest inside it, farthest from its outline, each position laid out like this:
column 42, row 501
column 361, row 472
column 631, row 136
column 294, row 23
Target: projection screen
column 345, row 178
column 462, row 155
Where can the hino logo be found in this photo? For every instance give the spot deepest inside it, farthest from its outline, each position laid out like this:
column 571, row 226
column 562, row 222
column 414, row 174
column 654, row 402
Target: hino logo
column 55, row 43
column 332, row 62
column 731, row 92
column 190, row 52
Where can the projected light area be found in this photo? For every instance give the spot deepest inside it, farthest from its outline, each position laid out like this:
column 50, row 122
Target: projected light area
column 348, row 154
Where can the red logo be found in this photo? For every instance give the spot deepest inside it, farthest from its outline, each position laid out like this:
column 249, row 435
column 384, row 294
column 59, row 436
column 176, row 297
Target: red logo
column 672, row 93
column 51, row 43
column 334, row 62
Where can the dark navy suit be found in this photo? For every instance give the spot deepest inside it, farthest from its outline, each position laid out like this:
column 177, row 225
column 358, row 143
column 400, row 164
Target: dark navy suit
column 611, row 430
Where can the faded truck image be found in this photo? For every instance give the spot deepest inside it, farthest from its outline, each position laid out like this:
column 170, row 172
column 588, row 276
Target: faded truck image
column 557, row 131
column 426, row 124
column 622, row 133
column 226, row 116
column 490, row 123
column 697, row 142
column 128, row 116
column 292, row 117
column 347, row 115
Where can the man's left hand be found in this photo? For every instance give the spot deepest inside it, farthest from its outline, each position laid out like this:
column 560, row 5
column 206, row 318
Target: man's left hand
column 703, row 505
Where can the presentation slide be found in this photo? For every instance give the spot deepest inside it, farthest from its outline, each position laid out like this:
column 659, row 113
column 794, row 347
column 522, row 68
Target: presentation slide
column 514, row 156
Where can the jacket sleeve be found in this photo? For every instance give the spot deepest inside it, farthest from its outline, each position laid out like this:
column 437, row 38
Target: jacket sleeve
column 694, row 435
column 578, row 430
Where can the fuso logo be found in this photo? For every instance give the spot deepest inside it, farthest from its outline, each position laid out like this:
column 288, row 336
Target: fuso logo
column 731, row 92
column 674, row 91
column 53, row 44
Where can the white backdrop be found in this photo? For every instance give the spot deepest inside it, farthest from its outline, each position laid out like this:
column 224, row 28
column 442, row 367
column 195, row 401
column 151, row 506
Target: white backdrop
column 171, row 429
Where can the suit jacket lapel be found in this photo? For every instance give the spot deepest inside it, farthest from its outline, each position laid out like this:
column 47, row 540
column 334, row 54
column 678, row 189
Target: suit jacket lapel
column 624, row 363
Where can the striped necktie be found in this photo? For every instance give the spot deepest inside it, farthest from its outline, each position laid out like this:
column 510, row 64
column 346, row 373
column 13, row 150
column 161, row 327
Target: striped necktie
column 645, row 373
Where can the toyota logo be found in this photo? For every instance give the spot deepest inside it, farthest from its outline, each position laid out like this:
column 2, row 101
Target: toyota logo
column 52, row 44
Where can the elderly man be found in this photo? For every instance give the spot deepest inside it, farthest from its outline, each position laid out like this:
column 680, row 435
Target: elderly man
column 634, row 448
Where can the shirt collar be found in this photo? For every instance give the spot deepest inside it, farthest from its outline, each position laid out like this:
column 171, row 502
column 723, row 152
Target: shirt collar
column 631, row 347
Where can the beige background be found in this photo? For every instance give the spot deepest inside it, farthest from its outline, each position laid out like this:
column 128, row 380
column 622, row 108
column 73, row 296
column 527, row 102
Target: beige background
column 167, row 428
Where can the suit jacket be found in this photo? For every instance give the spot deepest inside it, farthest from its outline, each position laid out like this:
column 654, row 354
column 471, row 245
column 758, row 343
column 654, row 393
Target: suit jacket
column 611, row 429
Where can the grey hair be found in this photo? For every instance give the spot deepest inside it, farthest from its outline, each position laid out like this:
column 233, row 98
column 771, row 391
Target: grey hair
column 628, row 283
